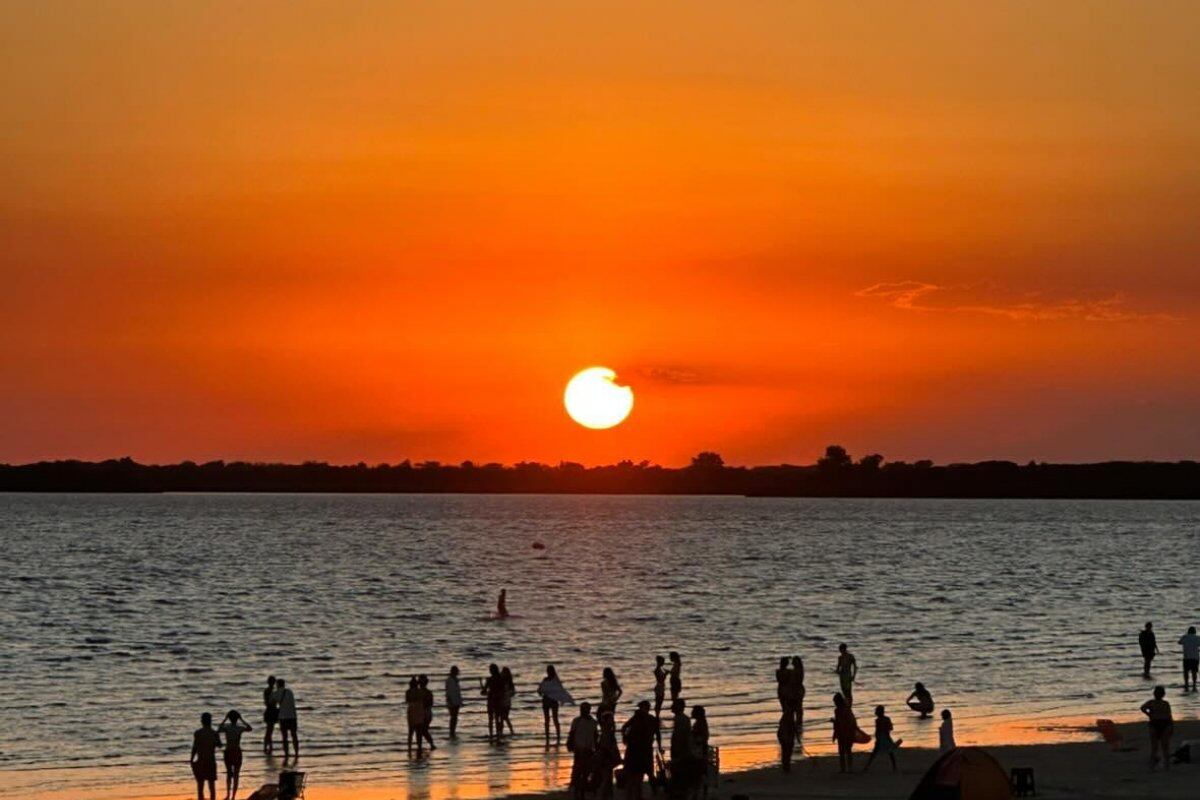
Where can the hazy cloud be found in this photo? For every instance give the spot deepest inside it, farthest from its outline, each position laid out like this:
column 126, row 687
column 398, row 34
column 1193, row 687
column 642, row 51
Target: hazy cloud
column 1023, row 307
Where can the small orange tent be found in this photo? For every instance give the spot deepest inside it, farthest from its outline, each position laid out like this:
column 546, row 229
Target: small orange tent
column 964, row 773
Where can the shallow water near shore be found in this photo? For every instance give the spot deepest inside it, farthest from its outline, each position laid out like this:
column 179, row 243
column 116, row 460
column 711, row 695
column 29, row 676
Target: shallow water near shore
column 124, row 617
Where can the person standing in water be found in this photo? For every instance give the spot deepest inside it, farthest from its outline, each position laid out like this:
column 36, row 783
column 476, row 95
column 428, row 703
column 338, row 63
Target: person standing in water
column 552, row 692
column 454, row 700
column 205, row 742
column 506, row 698
column 676, row 675
column 660, row 684
column 610, row 691
column 946, row 732
column 414, row 714
column 798, row 693
column 270, row 715
column 847, row 672
column 427, row 707
column 883, row 739
column 1149, row 646
column 502, row 604
column 845, row 730
column 233, row 726
column 1158, row 713
column 1190, row 643
column 493, row 690
column 286, row 701
column 920, row 701
column 581, row 742
column 639, row 733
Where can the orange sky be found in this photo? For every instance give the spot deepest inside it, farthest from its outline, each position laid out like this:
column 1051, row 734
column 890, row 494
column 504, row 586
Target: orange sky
column 378, row 230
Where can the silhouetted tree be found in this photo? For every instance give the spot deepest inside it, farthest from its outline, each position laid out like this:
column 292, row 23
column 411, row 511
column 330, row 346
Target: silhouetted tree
column 835, row 458
column 707, row 460
column 871, row 462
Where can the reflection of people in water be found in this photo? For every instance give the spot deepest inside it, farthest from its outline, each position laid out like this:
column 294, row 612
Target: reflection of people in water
column 454, row 700
column 660, row 684
column 204, row 757
column 676, row 675
column 550, row 689
column 233, row 726
column 502, row 604
column 921, row 701
column 847, row 672
column 610, row 691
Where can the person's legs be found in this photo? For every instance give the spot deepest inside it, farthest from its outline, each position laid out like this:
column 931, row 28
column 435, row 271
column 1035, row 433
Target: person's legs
column 199, row 788
column 268, row 744
column 546, row 721
column 557, row 726
column 453, row 713
column 410, row 737
column 870, row 760
column 212, row 788
column 228, row 781
column 425, row 729
column 294, row 728
column 1146, row 659
column 1166, row 748
column 892, row 757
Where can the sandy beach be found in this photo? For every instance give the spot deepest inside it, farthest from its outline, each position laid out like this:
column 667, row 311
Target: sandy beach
column 1074, row 770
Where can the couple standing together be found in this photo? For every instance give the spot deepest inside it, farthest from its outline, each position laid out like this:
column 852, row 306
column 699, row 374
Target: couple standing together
column 280, row 709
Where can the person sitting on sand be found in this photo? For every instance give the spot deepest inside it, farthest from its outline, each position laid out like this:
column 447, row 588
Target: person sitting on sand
column 660, row 684
column 1190, row 643
column 845, row 731
column 1149, row 646
column 286, row 701
column 883, row 739
column 639, row 733
column 847, row 672
column 270, row 715
column 786, row 733
column 581, row 742
column 610, row 691
column 454, row 700
column 502, row 605
column 550, row 690
column 921, row 701
column 946, row 732
column 415, row 714
column 233, row 726
column 427, row 707
column 1158, row 713
column 205, row 742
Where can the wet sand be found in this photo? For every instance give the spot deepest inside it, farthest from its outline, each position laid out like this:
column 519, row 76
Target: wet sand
column 1074, row 770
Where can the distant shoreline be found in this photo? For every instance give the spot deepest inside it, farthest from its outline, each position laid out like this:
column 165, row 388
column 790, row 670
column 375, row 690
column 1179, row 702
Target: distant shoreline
column 835, row 475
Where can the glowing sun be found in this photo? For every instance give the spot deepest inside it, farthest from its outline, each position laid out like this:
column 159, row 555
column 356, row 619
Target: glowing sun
column 594, row 400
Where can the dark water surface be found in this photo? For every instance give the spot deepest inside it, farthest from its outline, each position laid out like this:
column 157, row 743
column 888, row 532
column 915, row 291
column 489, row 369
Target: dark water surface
column 124, row 617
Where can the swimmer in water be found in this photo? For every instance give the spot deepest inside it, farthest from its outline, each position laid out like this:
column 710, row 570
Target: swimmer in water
column 502, row 604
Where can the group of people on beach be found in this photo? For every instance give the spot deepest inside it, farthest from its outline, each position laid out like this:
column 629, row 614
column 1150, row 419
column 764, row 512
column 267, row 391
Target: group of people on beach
column 279, row 709
column 1157, row 709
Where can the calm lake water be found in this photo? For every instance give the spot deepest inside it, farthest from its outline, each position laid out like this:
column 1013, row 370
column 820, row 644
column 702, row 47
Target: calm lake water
column 124, row 617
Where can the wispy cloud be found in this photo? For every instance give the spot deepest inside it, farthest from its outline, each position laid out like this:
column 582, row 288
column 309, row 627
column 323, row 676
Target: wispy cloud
column 1024, row 307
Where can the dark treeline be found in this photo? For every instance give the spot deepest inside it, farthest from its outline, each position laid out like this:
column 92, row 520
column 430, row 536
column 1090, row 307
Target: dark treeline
column 834, row 475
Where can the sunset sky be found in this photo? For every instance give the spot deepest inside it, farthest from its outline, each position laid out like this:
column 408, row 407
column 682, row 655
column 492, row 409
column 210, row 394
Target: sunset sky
column 384, row 230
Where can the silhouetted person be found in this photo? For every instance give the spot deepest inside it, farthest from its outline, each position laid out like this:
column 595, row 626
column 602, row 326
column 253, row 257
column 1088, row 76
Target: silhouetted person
column 884, row 746
column 204, row 757
column 610, row 691
column 1149, row 645
column 581, row 741
column 233, row 726
column 1158, row 713
column 786, row 733
column 676, row 675
column 454, row 700
column 783, row 684
column 946, row 732
column 608, row 754
column 414, row 713
column 640, row 733
column 700, row 746
column 1190, row 643
column 921, row 701
column 798, row 693
column 493, row 690
column 427, row 707
column 551, row 691
column 288, row 723
column 502, row 604
column 683, row 767
column 270, row 715
column 847, row 672
column 660, row 684
column 845, row 730
column 506, row 698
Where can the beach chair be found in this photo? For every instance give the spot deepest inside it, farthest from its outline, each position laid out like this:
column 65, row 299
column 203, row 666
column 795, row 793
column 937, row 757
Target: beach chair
column 291, row 785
